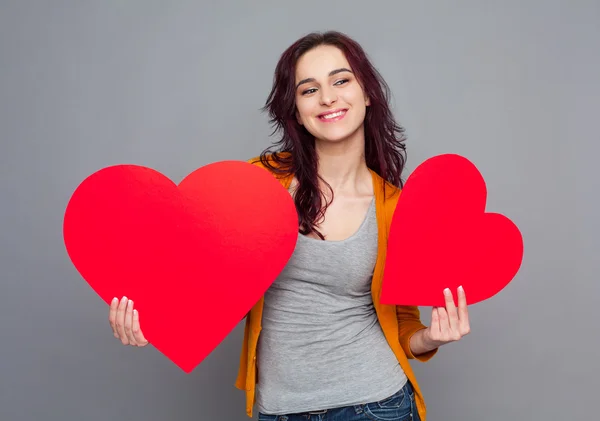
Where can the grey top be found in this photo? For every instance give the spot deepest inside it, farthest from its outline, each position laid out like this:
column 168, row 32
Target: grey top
column 321, row 344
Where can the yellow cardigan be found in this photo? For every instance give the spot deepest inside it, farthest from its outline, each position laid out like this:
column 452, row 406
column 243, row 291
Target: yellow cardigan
column 398, row 323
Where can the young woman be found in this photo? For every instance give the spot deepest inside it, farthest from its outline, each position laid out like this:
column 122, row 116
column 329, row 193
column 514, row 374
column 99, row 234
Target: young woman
column 319, row 345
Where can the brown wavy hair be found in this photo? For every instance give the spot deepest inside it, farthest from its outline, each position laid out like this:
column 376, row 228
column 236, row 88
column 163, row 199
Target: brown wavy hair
column 294, row 152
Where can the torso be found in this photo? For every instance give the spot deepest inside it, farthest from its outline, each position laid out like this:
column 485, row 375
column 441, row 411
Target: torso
column 321, row 344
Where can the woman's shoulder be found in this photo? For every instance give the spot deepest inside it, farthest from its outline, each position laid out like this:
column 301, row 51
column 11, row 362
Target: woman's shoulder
column 391, row 192
column 277, row 163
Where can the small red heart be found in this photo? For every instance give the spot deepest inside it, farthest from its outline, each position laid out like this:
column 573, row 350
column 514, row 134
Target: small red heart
column 194, row 257
column 441, row 237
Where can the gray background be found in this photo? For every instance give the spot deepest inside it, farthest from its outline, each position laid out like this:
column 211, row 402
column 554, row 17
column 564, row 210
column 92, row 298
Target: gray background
column 176, row 85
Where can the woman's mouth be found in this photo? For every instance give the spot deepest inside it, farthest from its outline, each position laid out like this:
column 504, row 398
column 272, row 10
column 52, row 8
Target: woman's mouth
column 332, row 116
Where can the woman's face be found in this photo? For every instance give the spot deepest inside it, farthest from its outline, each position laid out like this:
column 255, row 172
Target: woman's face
column 330, row 102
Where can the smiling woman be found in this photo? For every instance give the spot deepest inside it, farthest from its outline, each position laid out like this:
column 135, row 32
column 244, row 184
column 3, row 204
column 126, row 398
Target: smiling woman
column 319, row 341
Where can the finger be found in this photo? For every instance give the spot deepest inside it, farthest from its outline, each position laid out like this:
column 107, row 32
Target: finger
column 121, row 320
column 451, row 310
column 112, row 316
column 137, row 331
column 444, row 323
column 435, row 325
column 463, row 312
column 435, row 320
column 129, row 322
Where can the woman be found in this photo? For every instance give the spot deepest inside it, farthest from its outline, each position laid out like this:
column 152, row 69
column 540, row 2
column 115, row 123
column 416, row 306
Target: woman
column 319, row 345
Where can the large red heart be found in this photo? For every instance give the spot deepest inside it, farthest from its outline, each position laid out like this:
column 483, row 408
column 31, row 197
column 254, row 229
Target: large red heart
column 441, row 236
column 194, row 257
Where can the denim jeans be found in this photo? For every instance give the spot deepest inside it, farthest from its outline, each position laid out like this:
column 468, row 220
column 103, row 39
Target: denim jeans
column 398, row 407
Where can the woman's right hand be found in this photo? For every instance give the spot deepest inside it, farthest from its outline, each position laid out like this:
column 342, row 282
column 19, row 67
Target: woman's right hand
column 125, row 322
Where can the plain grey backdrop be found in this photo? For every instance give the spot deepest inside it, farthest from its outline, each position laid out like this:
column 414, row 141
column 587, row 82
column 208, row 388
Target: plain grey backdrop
column 176, row 85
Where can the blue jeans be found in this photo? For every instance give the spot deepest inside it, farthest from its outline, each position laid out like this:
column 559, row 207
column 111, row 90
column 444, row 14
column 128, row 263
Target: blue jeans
column 398, row 407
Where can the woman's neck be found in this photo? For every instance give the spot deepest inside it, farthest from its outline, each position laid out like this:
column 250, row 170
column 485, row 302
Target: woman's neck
column 342, row 165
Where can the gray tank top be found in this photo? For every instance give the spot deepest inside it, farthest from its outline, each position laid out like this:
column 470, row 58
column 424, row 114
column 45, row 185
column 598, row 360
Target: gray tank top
column 321, row 344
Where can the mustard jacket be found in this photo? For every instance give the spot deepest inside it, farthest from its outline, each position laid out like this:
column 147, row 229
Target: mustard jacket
column 398, row 323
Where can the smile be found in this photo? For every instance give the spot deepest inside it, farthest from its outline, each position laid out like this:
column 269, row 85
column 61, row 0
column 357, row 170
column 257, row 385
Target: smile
column 333, row 116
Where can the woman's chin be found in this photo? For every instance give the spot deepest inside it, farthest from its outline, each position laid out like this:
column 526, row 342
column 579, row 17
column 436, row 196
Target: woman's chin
column 335, row 138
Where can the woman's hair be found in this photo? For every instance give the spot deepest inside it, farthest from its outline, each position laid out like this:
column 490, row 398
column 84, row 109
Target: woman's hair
column 294, row 153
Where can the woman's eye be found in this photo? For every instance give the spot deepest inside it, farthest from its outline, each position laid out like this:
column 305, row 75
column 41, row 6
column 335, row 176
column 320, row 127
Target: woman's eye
column 313, row 90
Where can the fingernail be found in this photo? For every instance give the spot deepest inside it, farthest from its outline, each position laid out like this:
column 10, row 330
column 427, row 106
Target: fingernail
column 447, row 291
column 123, row 299
column 114, row 300
column 129, row 303
column 460, row 288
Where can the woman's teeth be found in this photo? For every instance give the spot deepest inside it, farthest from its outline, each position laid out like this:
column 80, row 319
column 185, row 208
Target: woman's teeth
column 334, row 115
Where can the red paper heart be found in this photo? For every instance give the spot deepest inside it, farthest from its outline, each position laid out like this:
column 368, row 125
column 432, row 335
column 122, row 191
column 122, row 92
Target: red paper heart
column 194, row 258
column 440, row 236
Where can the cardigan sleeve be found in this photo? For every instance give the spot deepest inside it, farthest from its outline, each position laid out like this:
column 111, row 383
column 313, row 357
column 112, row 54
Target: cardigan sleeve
column 409, row 322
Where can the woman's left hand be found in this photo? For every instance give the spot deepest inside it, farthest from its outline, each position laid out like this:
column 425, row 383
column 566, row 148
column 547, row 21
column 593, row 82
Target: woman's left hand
column 448, row 324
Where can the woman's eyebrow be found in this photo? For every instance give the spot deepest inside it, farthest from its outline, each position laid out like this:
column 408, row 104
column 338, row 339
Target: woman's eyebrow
column 333, row 72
